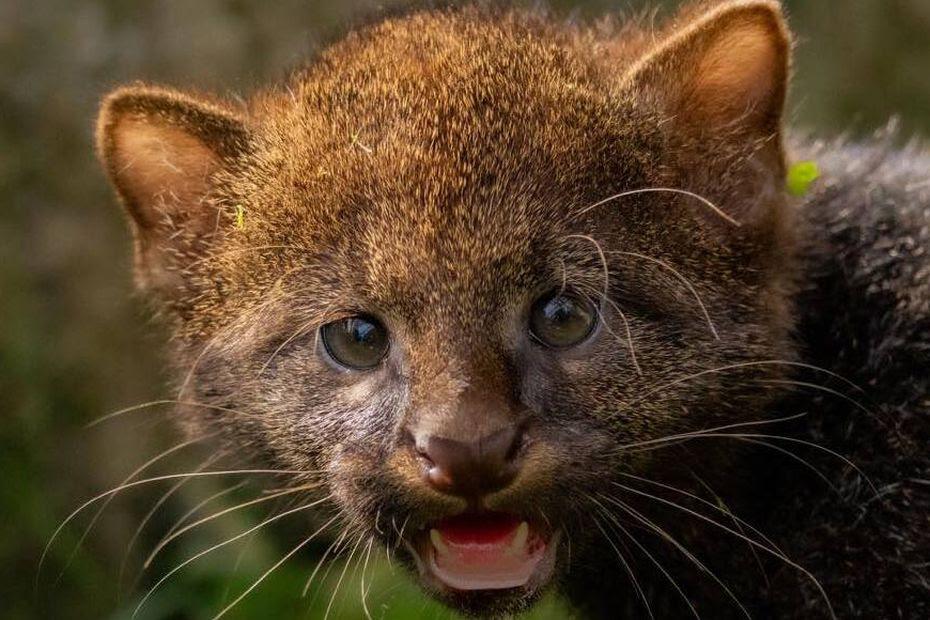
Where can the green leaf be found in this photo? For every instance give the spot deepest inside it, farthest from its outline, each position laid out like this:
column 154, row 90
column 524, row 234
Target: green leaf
column 801, row 175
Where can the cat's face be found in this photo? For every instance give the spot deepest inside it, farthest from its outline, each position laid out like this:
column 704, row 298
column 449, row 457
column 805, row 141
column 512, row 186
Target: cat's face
column 429, row 280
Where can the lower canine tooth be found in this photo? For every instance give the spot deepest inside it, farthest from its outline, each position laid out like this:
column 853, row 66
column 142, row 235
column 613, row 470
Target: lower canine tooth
column 519, row 539
column 436, row 539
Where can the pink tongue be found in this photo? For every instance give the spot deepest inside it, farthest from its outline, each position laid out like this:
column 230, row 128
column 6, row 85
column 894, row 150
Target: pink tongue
column 476, row 552
column 485, row 529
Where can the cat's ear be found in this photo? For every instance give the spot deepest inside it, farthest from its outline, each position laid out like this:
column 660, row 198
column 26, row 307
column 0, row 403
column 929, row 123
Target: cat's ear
column 163, row 150
column 718, row 81
column 727, row 69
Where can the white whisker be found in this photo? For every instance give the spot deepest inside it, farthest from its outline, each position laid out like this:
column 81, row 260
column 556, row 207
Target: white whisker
column 165, row 541
column 670, row 190
column 228, row 541
column 258, row 581
column 683, row 279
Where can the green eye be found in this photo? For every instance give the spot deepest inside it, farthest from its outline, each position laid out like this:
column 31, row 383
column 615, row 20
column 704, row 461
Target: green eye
column 357, row 342
column 561, row 319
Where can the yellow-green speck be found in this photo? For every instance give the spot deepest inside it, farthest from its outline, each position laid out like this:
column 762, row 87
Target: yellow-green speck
column 801, row 175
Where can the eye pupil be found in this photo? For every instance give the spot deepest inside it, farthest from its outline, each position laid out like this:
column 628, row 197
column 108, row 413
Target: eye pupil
column 562, row 319
column 362, row 332
column 559, row 310
column 357, row 342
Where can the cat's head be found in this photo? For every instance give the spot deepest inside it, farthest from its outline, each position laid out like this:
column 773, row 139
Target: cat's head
column 469, row 268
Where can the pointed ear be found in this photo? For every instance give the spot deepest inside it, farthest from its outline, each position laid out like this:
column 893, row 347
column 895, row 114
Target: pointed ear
column 163, row 150
column 725, row 70
column 718, row 82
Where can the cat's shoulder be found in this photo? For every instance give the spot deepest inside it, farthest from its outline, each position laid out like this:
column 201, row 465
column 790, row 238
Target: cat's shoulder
column 865, row 230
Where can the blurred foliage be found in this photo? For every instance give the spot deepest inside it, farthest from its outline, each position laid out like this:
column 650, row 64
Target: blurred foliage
column 75, row 344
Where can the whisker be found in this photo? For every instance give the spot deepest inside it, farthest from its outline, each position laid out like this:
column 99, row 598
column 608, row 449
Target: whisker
column 358, row 565
column 814, row 446
column 795, row 457
column 149, row 481
column 176, row 402
column 202, row 503
column 228, row 541
column 738, row 523
column 819, row 388
column 748, row 439
column 240, row 555
column 234, row 328
column 626, row 566
column 629, row 333
column 400, row 534
column 119, row 412
column 683, row 279
column 167, row 539
column 300, row 331
column 203, row 352
column 258, row 581
column 377, row 523
column 363, row 589
column 623, row 318
column 601, row 256
column 135, row 536
column 326, row 553
column 657, row 564
column 756, row 439
column 703, row 501
column 733, row 532
column 342, row 575
column 680, row 547
column 388, row 547
column 683, row 436
column 652, row 190
column 737, row 366
column 230, row 330
column 604, row 296
column 109, row 496
column 564, row 285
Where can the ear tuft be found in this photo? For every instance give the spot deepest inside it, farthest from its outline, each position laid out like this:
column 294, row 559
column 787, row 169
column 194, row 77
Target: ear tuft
column 162, row 150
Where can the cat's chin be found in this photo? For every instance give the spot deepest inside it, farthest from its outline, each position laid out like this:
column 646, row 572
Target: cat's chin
column 485, row 564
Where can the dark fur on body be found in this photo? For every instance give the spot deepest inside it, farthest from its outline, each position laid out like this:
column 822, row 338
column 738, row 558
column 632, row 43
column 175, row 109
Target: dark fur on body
column 864, row 300
column 436, row 170
column 866, row 315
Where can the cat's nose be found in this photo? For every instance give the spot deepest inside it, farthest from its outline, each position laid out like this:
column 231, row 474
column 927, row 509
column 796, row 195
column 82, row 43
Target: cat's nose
column 472, row 469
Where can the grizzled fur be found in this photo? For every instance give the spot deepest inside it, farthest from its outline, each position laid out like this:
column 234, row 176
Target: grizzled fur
column 440, row 171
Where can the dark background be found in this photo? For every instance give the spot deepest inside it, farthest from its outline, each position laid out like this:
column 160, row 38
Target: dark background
column 75, row 344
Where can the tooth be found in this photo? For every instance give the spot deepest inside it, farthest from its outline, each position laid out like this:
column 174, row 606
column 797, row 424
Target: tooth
column 519, row 539
column 436, row 539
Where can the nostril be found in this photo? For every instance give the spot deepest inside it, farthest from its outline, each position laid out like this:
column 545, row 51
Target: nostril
column 424, row 456
column 516, row 447
column 503, row 446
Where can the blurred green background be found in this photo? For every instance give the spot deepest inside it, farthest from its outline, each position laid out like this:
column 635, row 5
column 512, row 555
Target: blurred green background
column 75, row 344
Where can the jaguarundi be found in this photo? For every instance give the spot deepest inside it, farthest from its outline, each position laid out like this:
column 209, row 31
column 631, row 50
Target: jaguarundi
column 530, row 301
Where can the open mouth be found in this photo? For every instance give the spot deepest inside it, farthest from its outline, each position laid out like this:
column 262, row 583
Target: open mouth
column 486, row 551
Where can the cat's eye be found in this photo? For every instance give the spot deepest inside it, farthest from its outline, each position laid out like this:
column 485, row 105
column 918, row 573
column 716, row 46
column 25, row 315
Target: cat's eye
column 562, row 319
column 357, row 342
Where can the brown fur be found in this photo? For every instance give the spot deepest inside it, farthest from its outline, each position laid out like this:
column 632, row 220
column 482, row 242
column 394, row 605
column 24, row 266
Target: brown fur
column 436, row 170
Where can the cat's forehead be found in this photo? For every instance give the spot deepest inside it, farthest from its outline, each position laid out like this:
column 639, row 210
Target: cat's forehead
column 451, row 159
column 476, row 248
column 450, row 84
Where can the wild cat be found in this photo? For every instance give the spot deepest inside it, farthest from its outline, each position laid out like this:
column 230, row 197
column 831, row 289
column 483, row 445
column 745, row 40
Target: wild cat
column 530, row 301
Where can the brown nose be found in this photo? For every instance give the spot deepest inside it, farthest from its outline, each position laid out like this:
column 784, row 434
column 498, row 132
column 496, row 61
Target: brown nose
column 472, row 468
